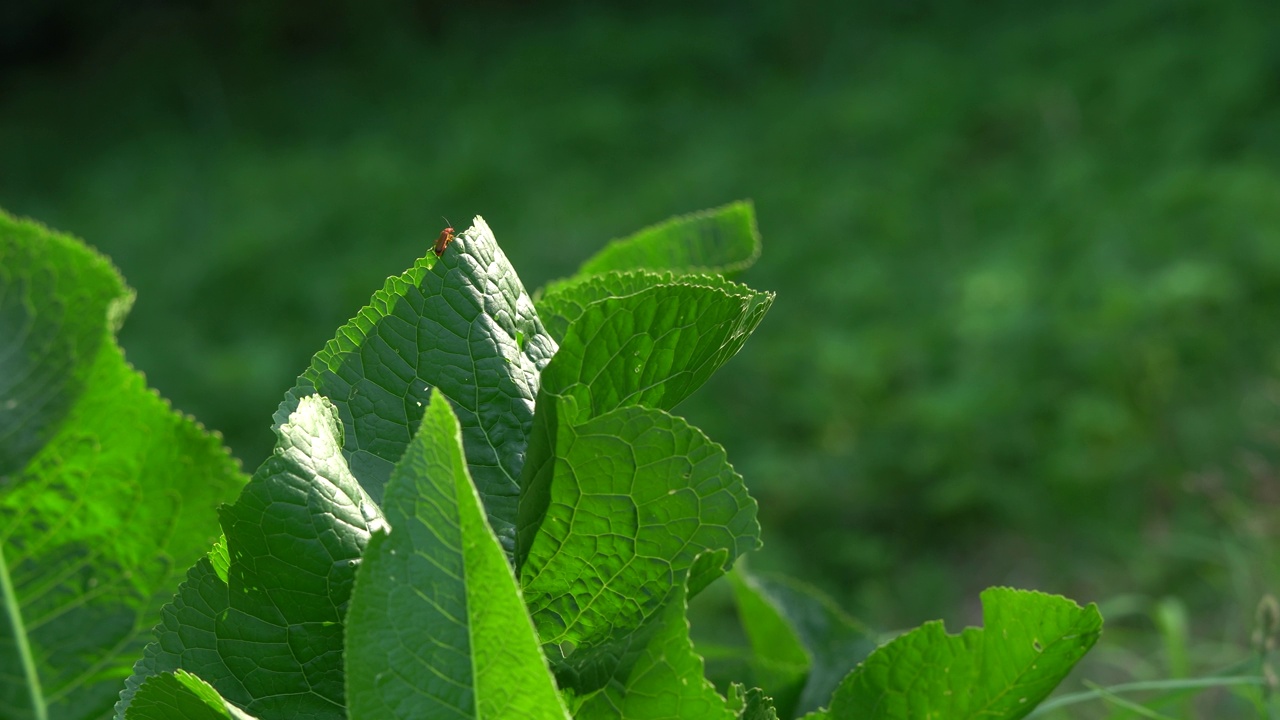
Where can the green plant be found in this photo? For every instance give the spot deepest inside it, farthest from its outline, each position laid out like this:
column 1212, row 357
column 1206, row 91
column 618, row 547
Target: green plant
column 478, row 506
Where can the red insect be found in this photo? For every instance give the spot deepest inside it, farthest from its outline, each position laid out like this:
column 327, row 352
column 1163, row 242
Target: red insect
column 446, row 237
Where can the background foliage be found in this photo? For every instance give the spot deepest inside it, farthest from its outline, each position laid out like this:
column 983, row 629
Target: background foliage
column 1026, row 255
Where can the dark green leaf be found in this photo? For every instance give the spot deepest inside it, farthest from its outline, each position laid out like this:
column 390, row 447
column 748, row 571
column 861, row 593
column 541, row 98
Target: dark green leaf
column 437, row 626
column 779, row 662
column 179, row 694
column 462, row 324
column 833, row 641
column 271, row 638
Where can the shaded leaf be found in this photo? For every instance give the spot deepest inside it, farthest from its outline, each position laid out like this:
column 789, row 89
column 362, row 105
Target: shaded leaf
column 180, row 694
column 270, row 638
column 778, row 661
column 832, row 640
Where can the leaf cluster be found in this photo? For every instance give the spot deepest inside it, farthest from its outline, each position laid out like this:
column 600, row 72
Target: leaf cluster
column 479, row 505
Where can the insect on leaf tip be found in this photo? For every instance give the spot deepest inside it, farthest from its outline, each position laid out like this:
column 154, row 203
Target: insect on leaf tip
column 446, row 237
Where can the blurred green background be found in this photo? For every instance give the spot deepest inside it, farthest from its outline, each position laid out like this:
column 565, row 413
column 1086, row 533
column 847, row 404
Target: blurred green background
column 1027, row 255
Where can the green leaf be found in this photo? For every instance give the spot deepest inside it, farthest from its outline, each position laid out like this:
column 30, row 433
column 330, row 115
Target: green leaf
column 270, row 639
column 772, row 607
column 1002, row 671
column 437, row 626
column 219, row 558
column 653, row 674
column 653, row 347
column 633, row 497
column 105, row 492
column 462, row 324
column 779, row 662
column 722, row 241
column 559, row 307
column 187, row 636
column 752, row 704
column 180, row 694
column 60, row 302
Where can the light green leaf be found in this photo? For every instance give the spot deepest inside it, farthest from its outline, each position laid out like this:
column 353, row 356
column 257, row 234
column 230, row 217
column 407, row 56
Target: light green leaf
column 654, row 674
column 60, row 302
column 219, row 558
column 105, row 492
column 560, row 306
column 720, row 241
column 633, row 497
column 1028, row 644
column 181, row 695
column 653, row 347
column 270, row 638
column 437, row 626
column 755, row 704
column 463, row 324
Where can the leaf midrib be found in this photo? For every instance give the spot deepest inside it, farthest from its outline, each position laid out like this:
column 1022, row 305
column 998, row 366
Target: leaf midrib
column 14, row 611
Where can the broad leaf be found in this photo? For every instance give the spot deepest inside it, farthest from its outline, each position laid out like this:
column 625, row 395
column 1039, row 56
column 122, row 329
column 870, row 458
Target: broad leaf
column 105, row 492
column 180, row 694
column 653, row 347
column 462, row 324
column 270, row 637
column 634, row 496
column 437, row 626
column 558, row 308
column 59, row 303
column 653, row 674
column 722, row 241
column 1028, row 644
